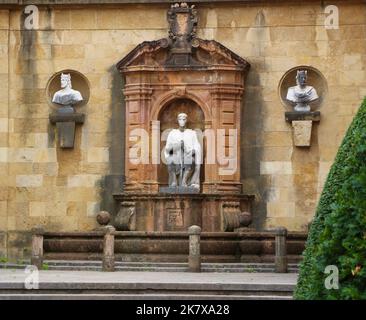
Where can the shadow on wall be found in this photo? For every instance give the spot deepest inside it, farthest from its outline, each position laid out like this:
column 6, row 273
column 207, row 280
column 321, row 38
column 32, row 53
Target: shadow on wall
column 114, row 181
column 27, row 62
column 252, row 127
column 251, row 151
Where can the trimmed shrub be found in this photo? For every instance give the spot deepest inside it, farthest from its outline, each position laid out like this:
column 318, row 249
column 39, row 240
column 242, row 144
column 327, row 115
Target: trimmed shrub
column 338, row 233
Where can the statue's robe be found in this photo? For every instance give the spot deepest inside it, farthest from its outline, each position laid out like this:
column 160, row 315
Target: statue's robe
column 173, row 150
column 67, row 97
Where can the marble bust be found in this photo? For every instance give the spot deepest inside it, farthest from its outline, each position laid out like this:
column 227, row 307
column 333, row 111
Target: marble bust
column 67, row 96
column 301, row 94
column 183, row 155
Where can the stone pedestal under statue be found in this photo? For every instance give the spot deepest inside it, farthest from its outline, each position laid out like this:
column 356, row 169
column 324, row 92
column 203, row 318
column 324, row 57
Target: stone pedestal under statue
column 176, row 212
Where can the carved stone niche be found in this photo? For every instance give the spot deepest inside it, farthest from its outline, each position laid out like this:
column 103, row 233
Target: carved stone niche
column 181, row 73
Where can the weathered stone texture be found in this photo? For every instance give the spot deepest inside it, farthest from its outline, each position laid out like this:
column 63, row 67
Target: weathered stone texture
column 302, row 133
column 63, row 189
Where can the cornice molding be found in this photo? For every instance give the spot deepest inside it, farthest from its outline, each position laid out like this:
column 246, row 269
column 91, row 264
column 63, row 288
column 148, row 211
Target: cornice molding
column 114, row 2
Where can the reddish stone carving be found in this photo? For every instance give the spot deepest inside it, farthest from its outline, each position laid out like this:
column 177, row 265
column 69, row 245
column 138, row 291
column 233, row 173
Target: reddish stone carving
column 182, row 73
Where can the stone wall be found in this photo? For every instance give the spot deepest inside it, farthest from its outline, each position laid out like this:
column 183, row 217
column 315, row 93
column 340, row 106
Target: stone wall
column 63, row 189
column 4, row 128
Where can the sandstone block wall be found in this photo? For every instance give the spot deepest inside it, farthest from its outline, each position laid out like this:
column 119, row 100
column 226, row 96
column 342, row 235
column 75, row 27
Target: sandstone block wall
column 63, row 189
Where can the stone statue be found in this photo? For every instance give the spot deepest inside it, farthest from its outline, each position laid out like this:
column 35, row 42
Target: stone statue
column 183, row 155
column 301, row 94
column 66, row 97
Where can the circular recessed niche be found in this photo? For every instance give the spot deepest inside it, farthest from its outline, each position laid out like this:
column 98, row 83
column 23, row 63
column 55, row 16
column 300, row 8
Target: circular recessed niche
column 78, row 82
column 315, row 79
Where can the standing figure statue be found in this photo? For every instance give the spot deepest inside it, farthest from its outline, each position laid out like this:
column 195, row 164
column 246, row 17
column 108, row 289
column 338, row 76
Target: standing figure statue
column 183, row 155
column 302, row 94
column 67, row 96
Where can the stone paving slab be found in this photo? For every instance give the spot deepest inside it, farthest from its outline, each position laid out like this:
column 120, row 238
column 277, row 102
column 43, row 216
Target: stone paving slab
column 137, row 297
column 55, row 284
column 56, row 276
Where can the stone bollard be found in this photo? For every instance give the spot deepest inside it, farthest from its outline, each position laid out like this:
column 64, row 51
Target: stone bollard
column 194, row 259
column 108, row 249
column 281, row 250
column 37, row 247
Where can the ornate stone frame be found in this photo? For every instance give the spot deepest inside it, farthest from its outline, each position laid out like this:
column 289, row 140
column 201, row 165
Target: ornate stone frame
column 204, row 71
column 220, row 102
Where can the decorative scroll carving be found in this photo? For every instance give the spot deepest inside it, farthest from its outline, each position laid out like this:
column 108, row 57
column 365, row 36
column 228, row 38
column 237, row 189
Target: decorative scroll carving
column 232, row 217
column 125, row 219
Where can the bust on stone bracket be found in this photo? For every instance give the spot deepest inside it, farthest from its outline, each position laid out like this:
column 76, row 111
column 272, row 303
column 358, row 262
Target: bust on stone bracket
column 65, row 117
column 302, row 118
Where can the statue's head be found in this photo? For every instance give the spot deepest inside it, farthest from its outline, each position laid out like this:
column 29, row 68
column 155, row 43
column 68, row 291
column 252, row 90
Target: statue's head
column 301, row 77
column 182, row 119
column 65, row 80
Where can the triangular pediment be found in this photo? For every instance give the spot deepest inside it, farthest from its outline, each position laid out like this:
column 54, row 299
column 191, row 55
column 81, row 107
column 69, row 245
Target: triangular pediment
column 205, row 54
column 182, row 49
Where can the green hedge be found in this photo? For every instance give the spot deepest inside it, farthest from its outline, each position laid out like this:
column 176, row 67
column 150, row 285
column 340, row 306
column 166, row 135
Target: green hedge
column 338, row 233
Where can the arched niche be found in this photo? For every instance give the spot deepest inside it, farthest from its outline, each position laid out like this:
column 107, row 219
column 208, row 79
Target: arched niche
column 168, row 120
column 179, row 94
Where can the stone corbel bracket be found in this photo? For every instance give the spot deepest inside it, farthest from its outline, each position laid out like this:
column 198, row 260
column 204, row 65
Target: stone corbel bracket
column 302, row 123
column 65, row 125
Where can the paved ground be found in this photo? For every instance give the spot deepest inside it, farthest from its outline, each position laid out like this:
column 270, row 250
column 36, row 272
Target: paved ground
column 17, row 276
column 141, row 285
